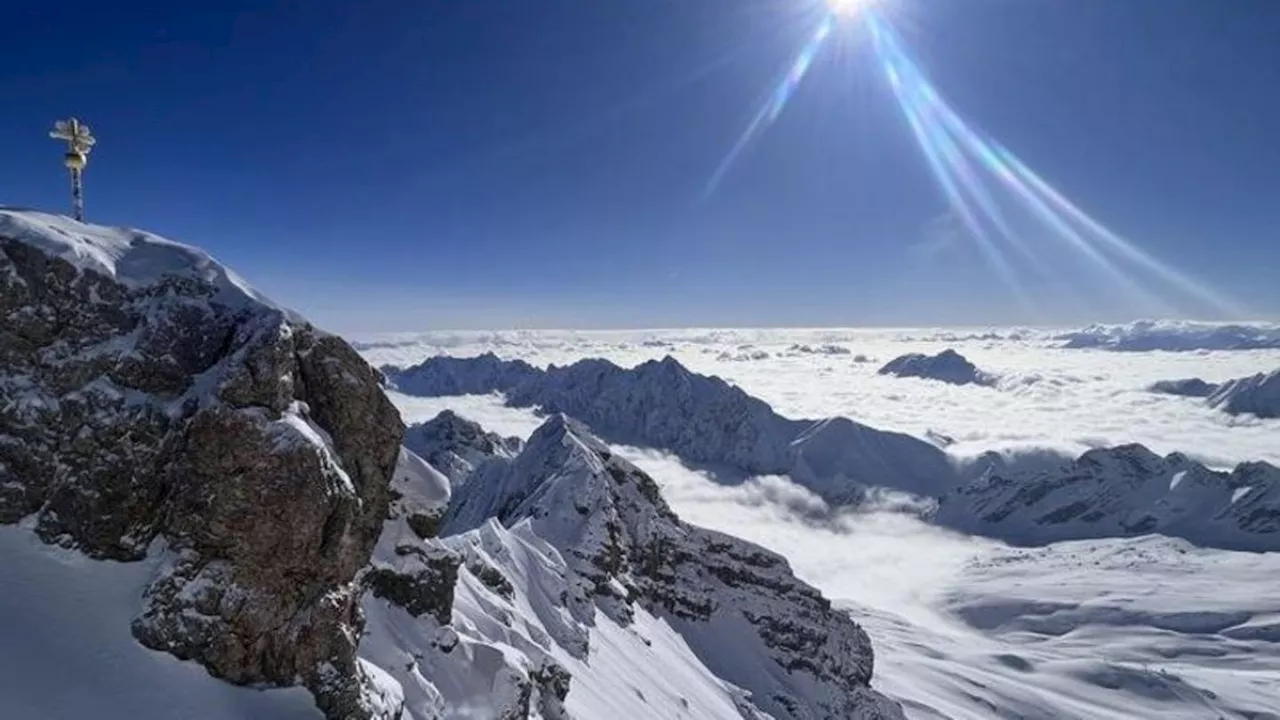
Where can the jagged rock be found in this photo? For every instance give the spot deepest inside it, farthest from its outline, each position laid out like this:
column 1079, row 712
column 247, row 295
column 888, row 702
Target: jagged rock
column 1258, row 395
column 625, row 549
column 702, row 419
column 1255, row 395
column 147, row 393
column 947, row 366
column 455, row 445
column 1124, row 491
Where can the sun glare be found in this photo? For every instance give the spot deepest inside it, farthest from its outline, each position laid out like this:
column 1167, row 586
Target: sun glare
column 848, row 8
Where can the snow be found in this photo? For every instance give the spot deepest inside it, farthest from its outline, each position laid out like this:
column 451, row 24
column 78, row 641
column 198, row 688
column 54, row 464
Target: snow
column 1257, row 395
column 967, row 627
column 1175, row 336
column 133, row 258
column 961, row 624
column 643, row 670
column 64, row 620
column 295, row 426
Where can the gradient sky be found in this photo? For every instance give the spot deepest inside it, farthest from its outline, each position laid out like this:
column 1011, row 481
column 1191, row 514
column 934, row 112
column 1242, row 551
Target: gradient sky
column 401, row 164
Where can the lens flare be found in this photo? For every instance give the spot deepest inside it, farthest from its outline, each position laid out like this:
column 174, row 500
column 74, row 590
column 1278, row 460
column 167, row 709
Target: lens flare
column 955, row 151
column 776, row 102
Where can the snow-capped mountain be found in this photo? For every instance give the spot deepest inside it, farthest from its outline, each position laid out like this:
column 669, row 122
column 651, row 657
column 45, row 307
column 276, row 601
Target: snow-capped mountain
column 702, row 419
column 249, row 470
column 1255, row 395
column 1174, row 336
column 155, row 407
column 947, row 366
column 575, row 552
column 456, row 446
column 1120, row 492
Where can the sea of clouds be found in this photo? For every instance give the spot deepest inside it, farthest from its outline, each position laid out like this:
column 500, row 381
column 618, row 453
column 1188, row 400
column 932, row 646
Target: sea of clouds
column 1048, row 396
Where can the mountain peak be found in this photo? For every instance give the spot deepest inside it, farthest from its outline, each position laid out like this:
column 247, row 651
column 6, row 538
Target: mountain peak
column 625, row 551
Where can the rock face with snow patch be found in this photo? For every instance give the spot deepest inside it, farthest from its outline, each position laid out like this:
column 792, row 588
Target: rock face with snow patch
column 947, row 366
column 455, row 445
column 146, row 393
column 741, row 611
column 1257, row 395
column 1124, row 491
column 702, row 419
column 1254, row 395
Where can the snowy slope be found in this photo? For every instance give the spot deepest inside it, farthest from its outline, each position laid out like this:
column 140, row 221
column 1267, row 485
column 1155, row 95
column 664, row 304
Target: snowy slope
column 590, row 573
column 1120, row 492
column 1257, row 395
column 971, row 629
column 1254, row 395
column 509, row 629
column 67, row 651
column 133, row 258
column 703, row 419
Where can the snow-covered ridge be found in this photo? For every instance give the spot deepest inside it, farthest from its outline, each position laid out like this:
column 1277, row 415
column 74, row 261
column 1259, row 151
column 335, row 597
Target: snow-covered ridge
column 947, row 366
column 568, row 557
column 1255, row 395
column 703, row 419
column 1175, row 336
column 1120, row 492
column 132, row 258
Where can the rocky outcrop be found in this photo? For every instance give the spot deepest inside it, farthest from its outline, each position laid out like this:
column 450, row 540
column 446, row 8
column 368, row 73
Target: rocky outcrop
column 702, row 419
column 947, row 366
column 150, row 399
column 1254, row 395
column 625, row 550
column 1124, row 491
column 455, row 445
column 1190, row 387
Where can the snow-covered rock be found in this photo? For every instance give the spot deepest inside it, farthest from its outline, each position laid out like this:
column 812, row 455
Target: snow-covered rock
column 703, row 419
column 456, row 446
column 1120, row 492
column 151, row 402
column 1257, row 395
column 1189, row 387
column 1174, row 335
column 947, row 366
column 577, row 554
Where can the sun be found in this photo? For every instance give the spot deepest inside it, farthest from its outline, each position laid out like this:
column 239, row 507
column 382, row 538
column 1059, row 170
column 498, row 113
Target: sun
column 848, row 8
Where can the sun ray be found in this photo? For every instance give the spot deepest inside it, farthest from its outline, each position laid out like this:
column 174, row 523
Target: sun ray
column 776, row 102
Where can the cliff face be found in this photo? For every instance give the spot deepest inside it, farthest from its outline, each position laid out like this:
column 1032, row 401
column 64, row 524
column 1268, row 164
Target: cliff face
column 150, row 401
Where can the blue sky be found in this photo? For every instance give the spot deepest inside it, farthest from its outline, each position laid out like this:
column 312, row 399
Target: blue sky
column 398, row 165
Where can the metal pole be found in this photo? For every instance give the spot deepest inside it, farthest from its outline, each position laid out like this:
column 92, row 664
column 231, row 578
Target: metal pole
column 77, row 195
